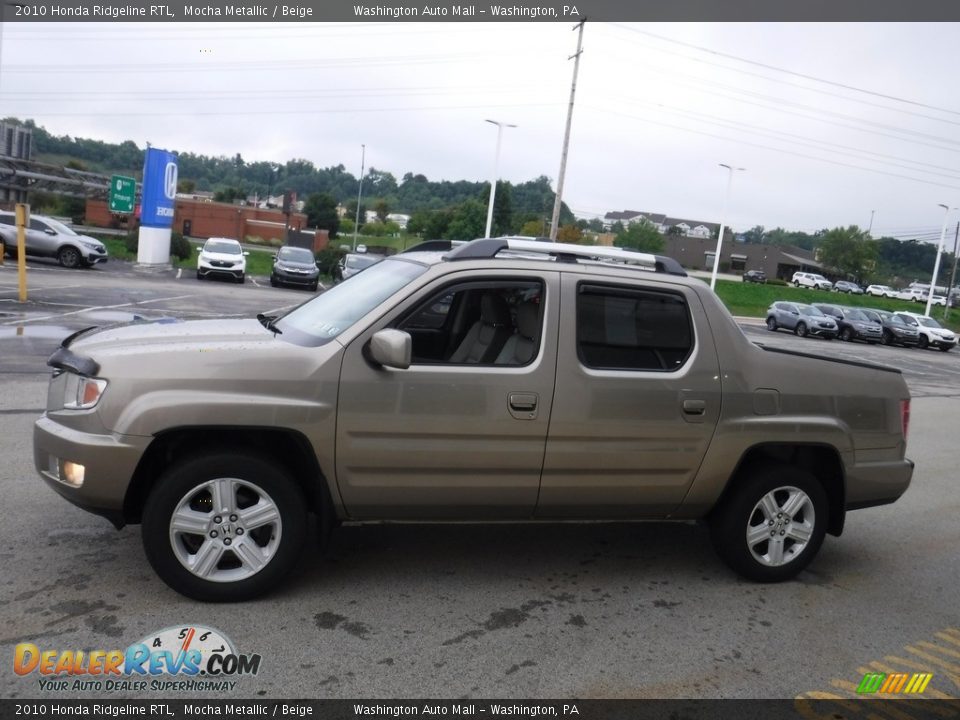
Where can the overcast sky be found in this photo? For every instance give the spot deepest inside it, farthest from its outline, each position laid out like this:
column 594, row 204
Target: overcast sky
column 831, row 121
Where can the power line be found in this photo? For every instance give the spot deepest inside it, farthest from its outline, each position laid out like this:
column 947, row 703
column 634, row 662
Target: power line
column 785, row 71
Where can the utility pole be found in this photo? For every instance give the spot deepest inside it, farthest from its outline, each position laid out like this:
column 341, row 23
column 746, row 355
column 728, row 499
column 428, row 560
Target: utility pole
column 871, row 222
column 953, row 275
column 356, row 224
column 555, row 222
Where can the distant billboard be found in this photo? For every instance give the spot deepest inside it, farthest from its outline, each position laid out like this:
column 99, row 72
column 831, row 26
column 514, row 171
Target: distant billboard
column 159, row 188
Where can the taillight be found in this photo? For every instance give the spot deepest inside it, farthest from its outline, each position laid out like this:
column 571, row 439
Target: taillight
column 905, row 416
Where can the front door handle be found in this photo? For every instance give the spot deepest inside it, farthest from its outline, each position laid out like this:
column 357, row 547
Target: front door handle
column 523, row 402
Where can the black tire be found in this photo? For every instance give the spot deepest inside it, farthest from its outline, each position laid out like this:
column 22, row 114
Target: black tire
column 772, row 324
column 796, row 284
column 739, row 511
column 273, row 281
column 846, row 335
column 946, row 348
column 801, row 329
column 315, row 285
column 69, row 257
column 886, row 338
column 255, row 473
column 829, row 337
column 241, row 279
column 922, row 343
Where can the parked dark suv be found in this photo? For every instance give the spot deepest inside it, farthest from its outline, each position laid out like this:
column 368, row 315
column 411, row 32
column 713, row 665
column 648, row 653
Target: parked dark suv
column 755, row 276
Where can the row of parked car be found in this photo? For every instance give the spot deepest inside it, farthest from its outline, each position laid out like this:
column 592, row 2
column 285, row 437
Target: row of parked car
column 849, row 323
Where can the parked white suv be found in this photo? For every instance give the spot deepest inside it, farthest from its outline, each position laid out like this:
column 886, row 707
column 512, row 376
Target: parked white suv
column 932, row 333
column 881, row 291
column 222, row 256
column 812, row 280
column 913, row 294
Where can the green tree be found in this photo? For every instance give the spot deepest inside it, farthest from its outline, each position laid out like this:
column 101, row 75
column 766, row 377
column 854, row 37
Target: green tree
column 381, row 208
column 321, row 212
column 641, row 236
column 754, row 235
column 569, row 234
column 849, row 250
column 532, row 228
column 469, row 220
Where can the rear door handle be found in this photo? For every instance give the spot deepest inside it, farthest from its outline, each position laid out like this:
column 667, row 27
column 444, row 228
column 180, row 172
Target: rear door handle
column 694, row 407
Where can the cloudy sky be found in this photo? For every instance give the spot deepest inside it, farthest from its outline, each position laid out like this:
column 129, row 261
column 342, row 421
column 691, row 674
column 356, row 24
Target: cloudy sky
column 832, row 122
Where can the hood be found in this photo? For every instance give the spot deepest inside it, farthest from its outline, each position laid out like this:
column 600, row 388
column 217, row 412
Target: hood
column 294, row 264
column 228, row 257
column 194, row 335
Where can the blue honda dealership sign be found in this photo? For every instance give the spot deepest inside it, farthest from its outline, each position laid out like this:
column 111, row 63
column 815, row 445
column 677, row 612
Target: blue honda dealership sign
column 159, row 188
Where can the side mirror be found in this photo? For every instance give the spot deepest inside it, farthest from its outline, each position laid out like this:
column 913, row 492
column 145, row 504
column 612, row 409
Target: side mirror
column 50, row 231
column 390, row 348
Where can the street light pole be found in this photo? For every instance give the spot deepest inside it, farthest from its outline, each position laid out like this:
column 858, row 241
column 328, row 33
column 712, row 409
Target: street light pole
column 936, row 265
column 493, row 181
column 356, row 223
column 723, row 223
column 871, row 222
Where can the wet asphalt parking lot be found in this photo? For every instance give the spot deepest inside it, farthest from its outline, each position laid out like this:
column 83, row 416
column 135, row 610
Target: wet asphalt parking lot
column 503, row 610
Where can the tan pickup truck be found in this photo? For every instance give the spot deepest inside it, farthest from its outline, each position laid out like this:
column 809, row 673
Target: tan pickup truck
column 505, row 379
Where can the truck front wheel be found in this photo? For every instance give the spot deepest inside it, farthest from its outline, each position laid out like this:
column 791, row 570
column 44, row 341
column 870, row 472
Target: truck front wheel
column 772, row 523
column 224, row 526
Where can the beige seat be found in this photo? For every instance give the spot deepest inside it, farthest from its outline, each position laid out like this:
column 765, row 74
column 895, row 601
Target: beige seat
column 485, row 339
column 520, row 346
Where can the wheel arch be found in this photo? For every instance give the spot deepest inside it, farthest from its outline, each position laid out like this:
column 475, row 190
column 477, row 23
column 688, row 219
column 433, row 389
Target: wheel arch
column 286, row 447
column 821, row 460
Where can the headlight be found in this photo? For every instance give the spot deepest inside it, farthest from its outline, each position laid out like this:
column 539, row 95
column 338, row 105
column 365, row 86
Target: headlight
column 92, row 245
column 82, row 393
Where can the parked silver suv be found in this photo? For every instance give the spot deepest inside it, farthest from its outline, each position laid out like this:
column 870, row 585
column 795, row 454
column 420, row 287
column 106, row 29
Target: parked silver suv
column 47, row 237
column 507, row 379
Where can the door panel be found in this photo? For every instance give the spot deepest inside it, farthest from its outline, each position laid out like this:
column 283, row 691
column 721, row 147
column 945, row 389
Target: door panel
column 443, row 441
column 628, row 442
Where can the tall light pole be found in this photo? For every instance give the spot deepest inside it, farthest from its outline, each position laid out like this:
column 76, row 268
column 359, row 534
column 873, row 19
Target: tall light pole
column 871, row 222
column 356, row 223
column 493, row 181
column 723, row 224
column 936, row 265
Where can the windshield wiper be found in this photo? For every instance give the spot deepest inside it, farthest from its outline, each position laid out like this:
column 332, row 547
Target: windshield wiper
column 269, row 322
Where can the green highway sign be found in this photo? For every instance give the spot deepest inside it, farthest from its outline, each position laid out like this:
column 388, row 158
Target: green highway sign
column 123, row 193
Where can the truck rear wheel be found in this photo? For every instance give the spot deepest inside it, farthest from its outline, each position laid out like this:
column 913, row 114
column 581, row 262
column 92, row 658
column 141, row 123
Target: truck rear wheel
column 772, row 524
column 224, row 526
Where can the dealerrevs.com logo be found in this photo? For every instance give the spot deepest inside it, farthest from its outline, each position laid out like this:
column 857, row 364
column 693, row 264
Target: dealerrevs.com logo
column 185, row 658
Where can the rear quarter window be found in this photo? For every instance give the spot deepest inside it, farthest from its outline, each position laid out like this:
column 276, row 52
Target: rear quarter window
column 620, row 328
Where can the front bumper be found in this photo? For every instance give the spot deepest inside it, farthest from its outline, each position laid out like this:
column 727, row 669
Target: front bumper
column 109, row 461
column 289, row 278
column 235, row 271
column 823, row 332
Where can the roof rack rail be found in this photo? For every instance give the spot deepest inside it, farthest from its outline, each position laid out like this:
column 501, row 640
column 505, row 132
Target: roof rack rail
column 485, row 248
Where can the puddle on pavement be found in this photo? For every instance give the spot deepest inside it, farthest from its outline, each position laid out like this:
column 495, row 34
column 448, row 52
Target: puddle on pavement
column 36, row 332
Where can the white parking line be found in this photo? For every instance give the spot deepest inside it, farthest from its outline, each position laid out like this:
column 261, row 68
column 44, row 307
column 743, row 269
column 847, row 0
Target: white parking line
column 92, row 309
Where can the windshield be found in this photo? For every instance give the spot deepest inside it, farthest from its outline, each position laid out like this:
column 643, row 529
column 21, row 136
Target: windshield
column 857, row 315
column 226, row 247
column 59, row 226
column 929, row 322
column 292, row 254
column 329, row 314
column 358, row 262
column 810, row 310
